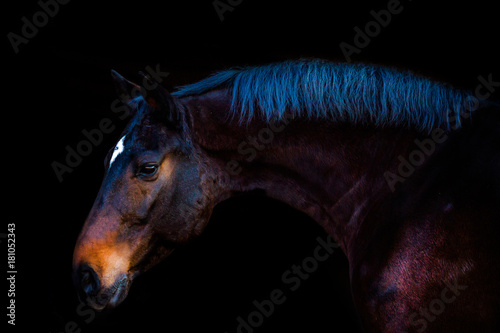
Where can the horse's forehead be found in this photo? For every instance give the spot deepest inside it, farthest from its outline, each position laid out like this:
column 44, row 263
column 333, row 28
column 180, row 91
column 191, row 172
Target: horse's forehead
column 139, row 139
column 119, row 148
column 126, row 142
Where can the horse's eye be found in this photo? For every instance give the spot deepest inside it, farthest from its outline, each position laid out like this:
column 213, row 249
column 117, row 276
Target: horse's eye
column 148, row 170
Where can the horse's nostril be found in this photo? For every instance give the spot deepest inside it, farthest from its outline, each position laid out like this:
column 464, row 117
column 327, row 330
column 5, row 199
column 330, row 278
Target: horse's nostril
column 89, row 281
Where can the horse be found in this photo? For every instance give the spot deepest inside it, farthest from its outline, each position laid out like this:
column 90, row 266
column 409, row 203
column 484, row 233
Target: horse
column 401, row 171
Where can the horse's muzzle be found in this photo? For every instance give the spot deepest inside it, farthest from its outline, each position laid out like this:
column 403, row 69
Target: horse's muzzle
column 89, row 288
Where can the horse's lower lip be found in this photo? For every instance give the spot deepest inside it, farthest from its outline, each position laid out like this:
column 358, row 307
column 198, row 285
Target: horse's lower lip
column 112, row 296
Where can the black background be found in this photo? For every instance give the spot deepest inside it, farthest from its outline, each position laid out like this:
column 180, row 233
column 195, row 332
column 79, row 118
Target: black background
column 59, row 84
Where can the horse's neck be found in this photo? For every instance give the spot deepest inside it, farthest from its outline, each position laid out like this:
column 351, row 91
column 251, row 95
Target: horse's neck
column 333, row 173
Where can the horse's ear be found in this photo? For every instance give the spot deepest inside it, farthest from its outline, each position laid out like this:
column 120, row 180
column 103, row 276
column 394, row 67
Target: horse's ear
column 125, row 89
column 162, row 101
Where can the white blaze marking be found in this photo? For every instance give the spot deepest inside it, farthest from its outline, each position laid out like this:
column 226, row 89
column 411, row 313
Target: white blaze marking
column 118, row 150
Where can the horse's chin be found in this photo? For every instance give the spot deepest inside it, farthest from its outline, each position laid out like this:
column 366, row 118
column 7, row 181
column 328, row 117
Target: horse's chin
column 112, row 296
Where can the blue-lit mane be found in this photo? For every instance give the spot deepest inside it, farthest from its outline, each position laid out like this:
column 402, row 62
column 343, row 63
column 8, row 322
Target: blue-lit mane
column 354, row 93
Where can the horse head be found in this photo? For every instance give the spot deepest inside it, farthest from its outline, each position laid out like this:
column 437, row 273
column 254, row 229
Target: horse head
column 155, row 196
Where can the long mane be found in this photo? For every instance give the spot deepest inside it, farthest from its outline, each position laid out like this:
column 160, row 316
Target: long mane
column 339, row 92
